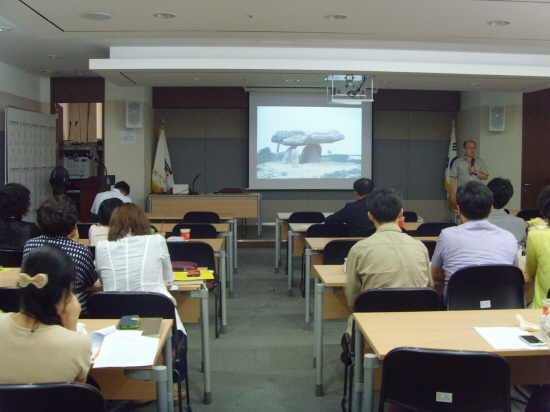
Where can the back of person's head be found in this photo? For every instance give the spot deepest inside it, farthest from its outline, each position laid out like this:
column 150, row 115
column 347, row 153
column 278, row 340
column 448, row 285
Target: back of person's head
column 385, row 205
column 502, row 191
column 51, row 273
column 57, row 216
column 15, row 200
column 106, row 209
column 123, row 186
column 363, row 186
column 128, row 218
column 474, row 200
column 544, row 203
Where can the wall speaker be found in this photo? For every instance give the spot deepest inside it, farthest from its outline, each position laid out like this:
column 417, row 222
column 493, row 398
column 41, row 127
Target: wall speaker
column 134, row 115
column 496, row 118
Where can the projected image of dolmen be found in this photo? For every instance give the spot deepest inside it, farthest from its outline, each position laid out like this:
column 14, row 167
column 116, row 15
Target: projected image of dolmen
column 311, row 162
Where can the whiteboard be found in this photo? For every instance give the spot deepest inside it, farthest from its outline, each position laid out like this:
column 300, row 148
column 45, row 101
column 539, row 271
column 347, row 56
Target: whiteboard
column 30, row 152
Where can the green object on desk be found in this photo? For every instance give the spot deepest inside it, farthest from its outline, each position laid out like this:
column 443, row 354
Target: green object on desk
column 129, row 322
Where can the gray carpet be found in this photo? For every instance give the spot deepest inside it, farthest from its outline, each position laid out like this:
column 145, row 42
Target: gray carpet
column 264, row 362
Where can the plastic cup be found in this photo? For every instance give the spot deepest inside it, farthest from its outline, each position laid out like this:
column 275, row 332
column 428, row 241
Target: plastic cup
column 401, row 222
column 545, row 306
column 185, row 234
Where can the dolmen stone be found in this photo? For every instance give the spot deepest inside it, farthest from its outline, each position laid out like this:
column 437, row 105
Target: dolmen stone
column 302, row 138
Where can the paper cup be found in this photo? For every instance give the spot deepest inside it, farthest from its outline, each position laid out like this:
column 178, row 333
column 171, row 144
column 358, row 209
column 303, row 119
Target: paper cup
column 401, row 222
column 185, row 233
column 545, row 306
column 163, row 234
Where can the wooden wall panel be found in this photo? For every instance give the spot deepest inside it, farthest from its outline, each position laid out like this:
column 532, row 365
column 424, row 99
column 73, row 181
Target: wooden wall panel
column 77, row 90
column 431, row 100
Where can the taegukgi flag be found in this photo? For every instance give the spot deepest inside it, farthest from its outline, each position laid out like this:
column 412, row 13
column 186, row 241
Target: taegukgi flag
column 451, row 157
column 162, row 178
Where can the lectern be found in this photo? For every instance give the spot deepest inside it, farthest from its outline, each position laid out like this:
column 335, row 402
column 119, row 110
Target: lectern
column 89, row 188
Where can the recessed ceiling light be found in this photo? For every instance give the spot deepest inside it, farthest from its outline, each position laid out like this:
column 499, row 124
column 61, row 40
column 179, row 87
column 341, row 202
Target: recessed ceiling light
column 164, row 15
column 79, row 72
column 197, row 79
column 385, row 81
column 336, row 17
column 5, row 29
column 498, row 23
column 54, row 56
column 51, row 71
column 250, row 16
column 97, row 15
column 475, row 84
column 292, row 80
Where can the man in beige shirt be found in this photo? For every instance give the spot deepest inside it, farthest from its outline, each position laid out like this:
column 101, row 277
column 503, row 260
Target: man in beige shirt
column 389, row 258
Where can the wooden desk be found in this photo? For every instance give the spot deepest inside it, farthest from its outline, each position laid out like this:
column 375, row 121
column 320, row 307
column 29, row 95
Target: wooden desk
column 241, row 205
column 451, row 330
column 138, row 383
column 219, row 252
column 9, row 277
column 171, row 219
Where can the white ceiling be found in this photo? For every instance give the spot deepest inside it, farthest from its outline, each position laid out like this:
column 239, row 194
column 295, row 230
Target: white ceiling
column 414, row 44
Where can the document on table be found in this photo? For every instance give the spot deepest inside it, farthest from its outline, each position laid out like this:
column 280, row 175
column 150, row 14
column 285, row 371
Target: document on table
column 506, row 338
column 122, row 349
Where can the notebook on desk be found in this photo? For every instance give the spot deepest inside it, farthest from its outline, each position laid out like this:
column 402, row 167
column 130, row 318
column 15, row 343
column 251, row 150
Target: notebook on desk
column 204, row 275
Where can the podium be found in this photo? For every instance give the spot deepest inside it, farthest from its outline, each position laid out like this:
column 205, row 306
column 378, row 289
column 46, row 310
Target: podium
column 89, row 188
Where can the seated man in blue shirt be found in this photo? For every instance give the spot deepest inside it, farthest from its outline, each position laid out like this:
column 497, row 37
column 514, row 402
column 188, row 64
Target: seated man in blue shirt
column 502, row 193
column 355, row 214
column 476, row 241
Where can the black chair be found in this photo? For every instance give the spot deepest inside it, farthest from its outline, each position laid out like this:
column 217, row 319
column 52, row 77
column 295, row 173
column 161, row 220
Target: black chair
column 528, row 214
column 434, row 380
column 306, row 217
column 324, row 230
column 432, row 228
column 114, row 305
column 9, row 300
column 201, row 217
column 51, row 397
column 486, row 287
column 203, row 255
column 92, row 249
column 198, row 230
column 11, row 258
column 430, row 245
column 384, row 300
column 83, row 230
column 369, row 232
column 336, row 251
column 410, row 216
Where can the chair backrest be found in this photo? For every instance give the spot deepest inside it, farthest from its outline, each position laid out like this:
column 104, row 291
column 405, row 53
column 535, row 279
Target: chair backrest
column 306, row 217
column 432, row 228
column 324, row 230
column 11, row 258
column 443, row 380
column 198, row 230
column 528, row 214
column 337, row 250
column 410, row 216
column 486, row 287
column 9, row 300
column 231, row 190
column 83, row 230
column 369, row 232
column 198, row 252
column 92, row 249
column 51, row 397
column 430, row 245
column 114, row 305
column 201, row 217
column 397, row 300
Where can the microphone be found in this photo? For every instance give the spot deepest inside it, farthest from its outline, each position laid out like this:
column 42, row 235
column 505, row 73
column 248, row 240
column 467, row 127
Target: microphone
column 95, row 159
column 192, row 190
column 472, row 164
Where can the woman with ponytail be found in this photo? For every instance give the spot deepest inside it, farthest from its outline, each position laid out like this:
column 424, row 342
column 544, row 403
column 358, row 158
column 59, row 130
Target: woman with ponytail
column 40, row 343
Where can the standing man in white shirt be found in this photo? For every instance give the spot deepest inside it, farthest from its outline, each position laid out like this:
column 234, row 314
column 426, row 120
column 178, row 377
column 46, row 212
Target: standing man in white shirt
column 467, row 168
column 120, row 191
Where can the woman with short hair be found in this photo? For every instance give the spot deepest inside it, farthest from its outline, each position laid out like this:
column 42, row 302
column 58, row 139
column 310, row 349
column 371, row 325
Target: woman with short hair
column 57, row 220
column 100, row 231
column 40, row 343
column 15, row 201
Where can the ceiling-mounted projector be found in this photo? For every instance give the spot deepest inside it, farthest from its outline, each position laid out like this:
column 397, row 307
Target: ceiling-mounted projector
column 350, row 89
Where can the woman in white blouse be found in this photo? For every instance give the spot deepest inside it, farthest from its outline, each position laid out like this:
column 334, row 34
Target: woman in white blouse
column 132, row 259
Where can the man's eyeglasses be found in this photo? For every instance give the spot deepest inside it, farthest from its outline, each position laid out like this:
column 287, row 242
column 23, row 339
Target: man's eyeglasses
column 470, row 148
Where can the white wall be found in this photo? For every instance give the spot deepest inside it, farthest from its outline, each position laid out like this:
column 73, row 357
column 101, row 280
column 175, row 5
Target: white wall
column 129, row 162
column 501, row 151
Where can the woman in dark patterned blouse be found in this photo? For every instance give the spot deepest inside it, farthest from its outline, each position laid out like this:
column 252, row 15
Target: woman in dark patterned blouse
column 15, row 201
